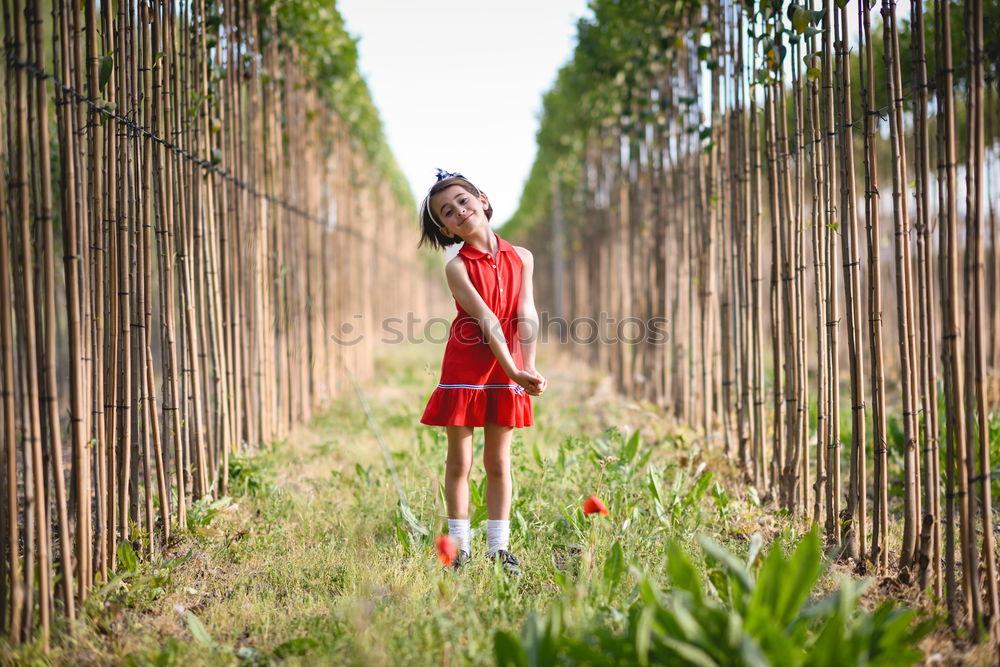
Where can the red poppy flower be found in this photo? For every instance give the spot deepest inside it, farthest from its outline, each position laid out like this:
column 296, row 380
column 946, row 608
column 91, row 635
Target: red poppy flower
column 593, row 506
column 447, row 550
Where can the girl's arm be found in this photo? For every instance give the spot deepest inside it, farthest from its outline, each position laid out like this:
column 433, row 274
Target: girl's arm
column 472, row 303
column 527, row 315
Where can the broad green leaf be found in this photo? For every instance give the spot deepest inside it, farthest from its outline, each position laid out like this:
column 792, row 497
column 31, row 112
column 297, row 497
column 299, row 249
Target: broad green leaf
column 814, row 73
column 800, row 18
column 698, row 490
column 730, row 563
column 654, row 485
column 643, row 633
column 127, row 558
column 784, row 584
column 691, row 655
column 682, row 572
column 198, row 630
column 104, row 74
column 630, row 448
column 508, row 651
column 412, row 520
column 614, row 566
column 537, row 641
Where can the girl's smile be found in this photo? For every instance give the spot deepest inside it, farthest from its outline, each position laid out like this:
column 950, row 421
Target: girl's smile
column 459, row 211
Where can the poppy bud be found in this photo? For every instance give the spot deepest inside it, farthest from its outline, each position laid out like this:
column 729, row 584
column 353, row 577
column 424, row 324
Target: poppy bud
column 593, row 506
column 447, row 551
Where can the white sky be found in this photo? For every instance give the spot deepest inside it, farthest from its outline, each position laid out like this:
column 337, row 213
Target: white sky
column 459, row 83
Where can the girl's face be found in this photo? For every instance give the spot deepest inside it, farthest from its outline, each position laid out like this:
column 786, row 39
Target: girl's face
column 459, row 211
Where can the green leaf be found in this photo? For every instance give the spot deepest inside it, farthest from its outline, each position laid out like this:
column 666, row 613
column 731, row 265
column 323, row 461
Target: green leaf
column 643, row 633
column 411, row 520
column 508, row 651
column 127, row 558
column 537, row 455
column 800, row 18
column 842, row 3
column 198, row 630
column 784, row 583
column 689, row 654
column 698, row 489
column 104, row 74
column 814, row 73
column 630, row 448
column 682, row 572
column 730, row 563
column 614, row 566
column 654, row 485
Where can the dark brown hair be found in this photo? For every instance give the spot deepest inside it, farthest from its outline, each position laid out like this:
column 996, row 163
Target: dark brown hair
column 430, row 230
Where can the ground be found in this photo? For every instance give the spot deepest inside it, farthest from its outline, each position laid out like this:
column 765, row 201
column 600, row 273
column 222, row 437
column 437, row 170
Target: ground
column 313, row 558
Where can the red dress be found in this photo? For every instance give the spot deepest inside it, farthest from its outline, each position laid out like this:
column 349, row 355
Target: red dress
column 474, row 390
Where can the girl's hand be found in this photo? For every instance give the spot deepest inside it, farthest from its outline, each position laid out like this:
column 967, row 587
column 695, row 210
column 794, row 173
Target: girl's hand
column 538, row 383
column 530, row 380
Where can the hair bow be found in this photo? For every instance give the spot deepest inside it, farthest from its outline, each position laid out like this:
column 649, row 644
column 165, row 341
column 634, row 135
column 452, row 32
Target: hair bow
column 442, row 174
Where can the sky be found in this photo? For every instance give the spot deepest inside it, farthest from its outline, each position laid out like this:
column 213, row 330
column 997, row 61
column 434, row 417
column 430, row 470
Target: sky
column 459, row 83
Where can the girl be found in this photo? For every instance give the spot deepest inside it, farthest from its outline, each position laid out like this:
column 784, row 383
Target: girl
column 489, row 363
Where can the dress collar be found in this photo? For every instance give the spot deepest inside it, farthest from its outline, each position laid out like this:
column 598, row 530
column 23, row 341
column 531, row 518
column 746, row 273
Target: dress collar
column 470, row 252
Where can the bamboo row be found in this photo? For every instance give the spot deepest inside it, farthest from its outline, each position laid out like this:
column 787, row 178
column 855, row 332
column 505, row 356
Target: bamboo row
column 736, row 131
column 218, row 222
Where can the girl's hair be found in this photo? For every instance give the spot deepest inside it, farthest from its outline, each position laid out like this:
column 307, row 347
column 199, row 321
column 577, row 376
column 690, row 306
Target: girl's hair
column 430, row 228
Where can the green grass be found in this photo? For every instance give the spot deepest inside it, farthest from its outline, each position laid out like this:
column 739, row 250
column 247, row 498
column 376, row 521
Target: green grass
column 314, row 560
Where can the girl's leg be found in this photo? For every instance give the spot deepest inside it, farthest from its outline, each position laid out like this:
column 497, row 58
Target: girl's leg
column 457, row 468
column 496, row 460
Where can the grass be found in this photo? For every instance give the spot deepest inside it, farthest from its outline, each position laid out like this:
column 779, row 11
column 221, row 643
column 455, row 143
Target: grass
column 314, row 559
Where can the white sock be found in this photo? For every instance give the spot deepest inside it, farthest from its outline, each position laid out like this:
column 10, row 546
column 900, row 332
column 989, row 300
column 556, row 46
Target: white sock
column 459, row 529
column 497, row 535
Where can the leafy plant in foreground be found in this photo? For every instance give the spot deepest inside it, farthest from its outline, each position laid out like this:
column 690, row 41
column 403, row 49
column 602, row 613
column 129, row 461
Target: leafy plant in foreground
column 744, row 613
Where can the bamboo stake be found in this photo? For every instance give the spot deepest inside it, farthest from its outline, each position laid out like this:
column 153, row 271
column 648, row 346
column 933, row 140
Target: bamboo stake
column 50, row 398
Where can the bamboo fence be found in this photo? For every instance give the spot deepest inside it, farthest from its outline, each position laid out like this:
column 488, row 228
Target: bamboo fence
column 226, row 240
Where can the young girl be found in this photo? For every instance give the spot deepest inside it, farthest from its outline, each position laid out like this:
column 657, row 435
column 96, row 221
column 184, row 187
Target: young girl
column 489, row 363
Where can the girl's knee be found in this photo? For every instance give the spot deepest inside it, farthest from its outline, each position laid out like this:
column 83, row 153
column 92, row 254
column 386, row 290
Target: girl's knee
column 496, row 466
column 459, row 465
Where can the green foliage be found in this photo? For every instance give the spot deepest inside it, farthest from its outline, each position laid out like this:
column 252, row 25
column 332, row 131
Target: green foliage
column 204, row 510
column 611, row 86
column 329, row 56
column 137, row 583
column 251, row 474
column 745, row 612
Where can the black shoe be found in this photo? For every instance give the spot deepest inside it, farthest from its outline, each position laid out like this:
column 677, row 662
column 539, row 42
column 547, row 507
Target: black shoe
column 460, row 560
column 510, row 565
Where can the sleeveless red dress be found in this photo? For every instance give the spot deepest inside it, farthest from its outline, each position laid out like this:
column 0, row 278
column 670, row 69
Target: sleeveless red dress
column 474, row 390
